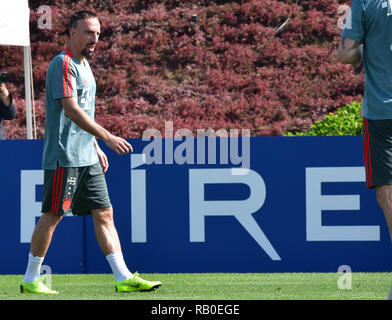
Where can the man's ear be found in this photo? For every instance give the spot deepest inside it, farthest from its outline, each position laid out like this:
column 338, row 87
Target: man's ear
column 72, row 32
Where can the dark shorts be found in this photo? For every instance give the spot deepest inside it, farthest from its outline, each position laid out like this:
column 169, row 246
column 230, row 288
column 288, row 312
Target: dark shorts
column 75, row 190
column 377, row 152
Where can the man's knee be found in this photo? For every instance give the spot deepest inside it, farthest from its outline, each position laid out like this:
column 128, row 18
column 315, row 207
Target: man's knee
column 384, row 196
column 103, row 216
column 51, row 218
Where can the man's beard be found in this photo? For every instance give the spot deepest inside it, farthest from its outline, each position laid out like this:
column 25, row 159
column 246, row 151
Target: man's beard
column 87, row 53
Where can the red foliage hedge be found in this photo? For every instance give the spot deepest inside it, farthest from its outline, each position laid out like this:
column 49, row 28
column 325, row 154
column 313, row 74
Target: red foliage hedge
column 229, row 70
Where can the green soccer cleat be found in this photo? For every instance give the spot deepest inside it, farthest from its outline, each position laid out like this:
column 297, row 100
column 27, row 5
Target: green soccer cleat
column 136, row 283
column 37, row 286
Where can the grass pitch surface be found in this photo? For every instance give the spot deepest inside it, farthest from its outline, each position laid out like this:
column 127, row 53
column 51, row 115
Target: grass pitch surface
column 212, row 286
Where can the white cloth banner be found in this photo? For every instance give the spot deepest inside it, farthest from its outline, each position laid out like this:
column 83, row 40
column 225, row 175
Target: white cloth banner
column 14, row 22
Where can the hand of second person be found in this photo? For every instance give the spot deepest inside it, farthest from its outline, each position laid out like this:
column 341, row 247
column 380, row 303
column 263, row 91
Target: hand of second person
column 4, row 94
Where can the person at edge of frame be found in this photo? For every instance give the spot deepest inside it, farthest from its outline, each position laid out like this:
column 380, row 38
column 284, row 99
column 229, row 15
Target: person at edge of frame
column 7, row 108
column 366, row 39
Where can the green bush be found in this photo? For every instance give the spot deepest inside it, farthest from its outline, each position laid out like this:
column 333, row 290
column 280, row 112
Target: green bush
column 347, row 121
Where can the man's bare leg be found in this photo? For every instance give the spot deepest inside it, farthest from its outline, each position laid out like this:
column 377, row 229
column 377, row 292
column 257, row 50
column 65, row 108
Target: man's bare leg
column 108, row 240
column 105, row 231
column 40, row 242
column 43, row 232
column 384, row 199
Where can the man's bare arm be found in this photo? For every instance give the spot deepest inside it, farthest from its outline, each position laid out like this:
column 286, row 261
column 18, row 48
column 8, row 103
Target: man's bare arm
column 349, row 51
column 83, row 121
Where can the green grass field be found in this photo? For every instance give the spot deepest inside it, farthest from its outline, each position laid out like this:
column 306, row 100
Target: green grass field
column 212, row 286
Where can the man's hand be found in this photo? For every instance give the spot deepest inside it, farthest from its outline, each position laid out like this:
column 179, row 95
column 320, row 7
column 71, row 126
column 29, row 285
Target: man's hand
column 5, row 95
column 103, row 160
column 118, row 145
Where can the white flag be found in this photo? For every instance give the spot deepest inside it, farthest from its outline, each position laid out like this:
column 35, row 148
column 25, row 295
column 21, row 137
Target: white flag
column 14, row 22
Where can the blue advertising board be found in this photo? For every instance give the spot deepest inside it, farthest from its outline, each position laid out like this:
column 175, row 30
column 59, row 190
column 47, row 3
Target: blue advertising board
column 266, row 204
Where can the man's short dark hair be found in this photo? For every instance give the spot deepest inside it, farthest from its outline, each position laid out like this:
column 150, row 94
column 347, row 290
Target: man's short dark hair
column 78, row 15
